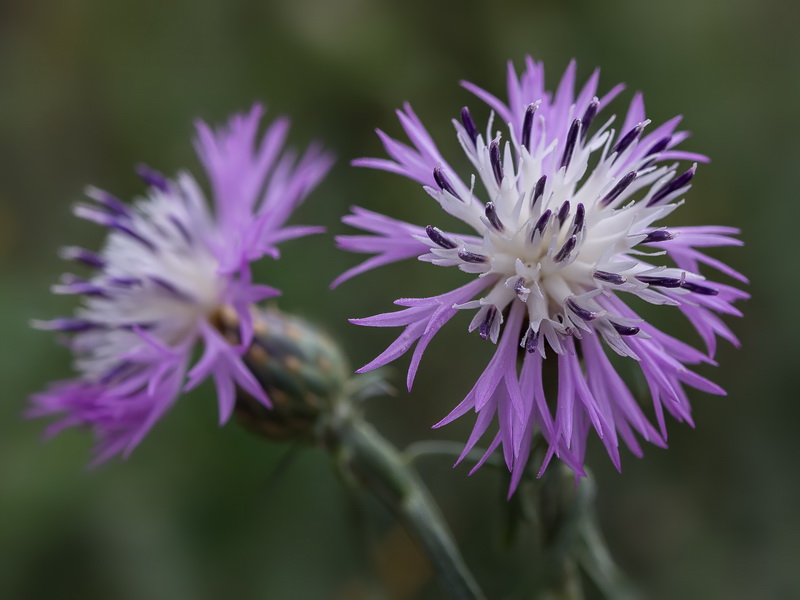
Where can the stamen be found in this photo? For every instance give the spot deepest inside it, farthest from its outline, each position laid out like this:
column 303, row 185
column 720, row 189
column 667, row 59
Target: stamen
column 699, row 289
column 629, row 138
column 541, row 224
column 488, row 320
column 563, row 212
column 625, row 329
column 492, row 216
column 665, row 282
column 659, row 235
column 471, row 257
column 527, row 125
column 580, row 219
column 519, row 287
column 673, row 185
column 588, row 116
column 167, row 286
column 181, row 228
column 531, row 341
column 494, row 158
column 568, row 247
column 612, row 278
column 586, row 315
column 69, row 325
column 620, row 187
column 441, row 180
column 439, row 238
column 538, row 190
column 572, row 137
column 83, row 256
column 659, row 146
column 152, row 177
column 131, row 233
column 469, row 125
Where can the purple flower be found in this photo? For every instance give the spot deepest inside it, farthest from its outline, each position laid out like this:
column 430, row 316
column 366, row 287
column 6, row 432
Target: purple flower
column 169, row 269
column 564, row 212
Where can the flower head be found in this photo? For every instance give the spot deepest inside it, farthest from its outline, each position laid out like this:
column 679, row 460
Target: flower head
column 170, row 269
column 565, row 214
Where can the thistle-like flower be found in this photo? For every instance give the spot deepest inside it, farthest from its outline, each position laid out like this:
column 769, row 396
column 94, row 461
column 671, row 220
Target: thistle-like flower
column 565, row 227
column 169, row 270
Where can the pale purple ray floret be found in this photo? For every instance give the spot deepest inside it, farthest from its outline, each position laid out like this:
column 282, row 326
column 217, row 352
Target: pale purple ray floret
column 169, row 266
column 564, row 209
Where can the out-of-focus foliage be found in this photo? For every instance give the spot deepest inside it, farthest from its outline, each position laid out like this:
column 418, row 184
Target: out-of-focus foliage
column 89, row 88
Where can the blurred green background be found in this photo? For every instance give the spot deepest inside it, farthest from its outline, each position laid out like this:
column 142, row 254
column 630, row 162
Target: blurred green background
column 89, row 88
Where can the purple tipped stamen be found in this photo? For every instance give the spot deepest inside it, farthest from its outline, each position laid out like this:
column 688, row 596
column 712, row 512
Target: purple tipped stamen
column 494, row 158
column 152, row 177
column 563, row 212
column 132, row 234
column 583, row 313
column 541, row 224
column 538, row 190
column 628, row 139
column 665, row 282
column 493, row 217
column 531, row 341
column 673, row 186
column 469, row 125
column 659, row 146
column 172, row 290
column 618, row 188
column 625, row 329
column 486, row 327
column 699, row 289
column 527, row 125
column 439, row 238
column 441, row 180
column 659, row 235
column 566, row 249
column 65, row 324
column 471, row 257
column 588, row 116
column 612, row 278
column 82, row 256
column 572, row 138
column 580, row 219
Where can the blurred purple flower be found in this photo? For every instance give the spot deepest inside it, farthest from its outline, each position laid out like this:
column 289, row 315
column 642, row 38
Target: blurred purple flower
column 168, row 268
column 568, row 230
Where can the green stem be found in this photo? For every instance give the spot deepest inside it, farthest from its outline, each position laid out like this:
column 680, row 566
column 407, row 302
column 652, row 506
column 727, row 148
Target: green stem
column 381, row 468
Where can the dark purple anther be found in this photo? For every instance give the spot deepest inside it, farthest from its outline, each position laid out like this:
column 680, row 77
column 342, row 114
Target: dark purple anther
column 699, row 289
column 620, row 187
column 568, row 247
column 541, row 223
column 538, row 190
column 441, row 180
column 124, row 281
column 83, row 256
column 131, row 233
column 168, row 287
column 665, row 282
column 612, row 278
column 625, row 329
column 588, row 116
column 677, row 183
column 519, row 286
column 586, row 315
column 659, row 235
column 439, row 238
column 469, row 125
column 488, row 321
column 580, row 219
column 527, row 125
column 628, row 139
column 494, row 158
column 563, row 212
column 569, row 146
column 181, row 229
column 531, row 341
column 493, row 218
column 152, row 177
column 112, row 204
column 67, row 324
column 659, row 146
column 471, row 257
